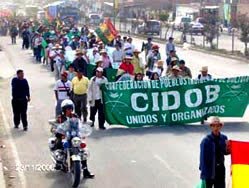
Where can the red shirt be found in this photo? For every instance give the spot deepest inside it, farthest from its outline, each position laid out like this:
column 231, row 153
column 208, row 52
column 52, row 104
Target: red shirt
column 127, row 67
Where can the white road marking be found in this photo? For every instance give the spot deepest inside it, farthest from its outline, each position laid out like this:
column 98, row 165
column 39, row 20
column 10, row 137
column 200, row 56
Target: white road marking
column 13, row 146
column 133, row 161
column 170, row 169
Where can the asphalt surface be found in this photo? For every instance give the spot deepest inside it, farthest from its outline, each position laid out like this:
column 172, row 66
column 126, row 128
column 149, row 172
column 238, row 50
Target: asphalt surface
column 159, row 157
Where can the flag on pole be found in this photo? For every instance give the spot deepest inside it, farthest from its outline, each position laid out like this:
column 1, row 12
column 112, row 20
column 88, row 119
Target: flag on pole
column 106, row 31
column 240, row 164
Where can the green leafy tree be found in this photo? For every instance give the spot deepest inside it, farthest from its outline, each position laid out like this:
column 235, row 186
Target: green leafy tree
column 243, row 23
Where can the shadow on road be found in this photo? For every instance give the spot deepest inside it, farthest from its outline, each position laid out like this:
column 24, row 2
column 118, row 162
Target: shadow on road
column 175, row 129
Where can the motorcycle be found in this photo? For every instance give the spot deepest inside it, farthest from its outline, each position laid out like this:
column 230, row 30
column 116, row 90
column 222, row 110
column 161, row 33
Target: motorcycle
column 74, row 149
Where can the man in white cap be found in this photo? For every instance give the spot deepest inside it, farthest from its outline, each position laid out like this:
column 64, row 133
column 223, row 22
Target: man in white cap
column 204, row 74
column 212, row 150
column 95, row 97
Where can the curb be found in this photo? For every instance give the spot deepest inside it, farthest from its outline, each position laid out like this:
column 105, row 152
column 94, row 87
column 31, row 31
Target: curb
column 2, row 180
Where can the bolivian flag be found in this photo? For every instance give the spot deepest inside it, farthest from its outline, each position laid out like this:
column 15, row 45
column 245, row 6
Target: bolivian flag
column 240, row 164
column 106, row 31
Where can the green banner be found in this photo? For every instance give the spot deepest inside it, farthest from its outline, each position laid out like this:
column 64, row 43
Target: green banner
column 176, row 101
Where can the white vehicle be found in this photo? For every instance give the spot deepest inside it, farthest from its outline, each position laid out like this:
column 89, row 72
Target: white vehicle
column 95, row 19
column 180, row 22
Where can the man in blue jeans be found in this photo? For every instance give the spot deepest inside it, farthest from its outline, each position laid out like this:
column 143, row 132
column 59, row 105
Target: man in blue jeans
column 20, row 99
column 213, row 148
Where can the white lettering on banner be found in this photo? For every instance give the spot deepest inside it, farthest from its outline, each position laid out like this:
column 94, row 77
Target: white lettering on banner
column 142, row 119
column 164, row 116
column 188, row 101
column 212, row 95
column 197, row 114
column 155, row 102
column 134, row 98
column 165, row 96
column 171, row 100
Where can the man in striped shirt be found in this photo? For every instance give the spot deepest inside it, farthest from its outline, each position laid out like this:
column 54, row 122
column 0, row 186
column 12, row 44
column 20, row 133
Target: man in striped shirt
column 63, row 88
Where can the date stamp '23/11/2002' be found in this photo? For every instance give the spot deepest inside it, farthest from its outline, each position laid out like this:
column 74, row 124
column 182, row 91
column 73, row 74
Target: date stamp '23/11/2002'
column 34, row 167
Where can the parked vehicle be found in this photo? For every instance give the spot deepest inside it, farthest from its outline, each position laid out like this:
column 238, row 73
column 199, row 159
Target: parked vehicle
column 95, row 19
column 150, row 27
column 196, row 28
column 181, row 22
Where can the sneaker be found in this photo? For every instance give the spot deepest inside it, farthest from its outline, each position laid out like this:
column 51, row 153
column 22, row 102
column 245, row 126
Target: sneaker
column 16, row 126
column 84, row 120
column 25, row 128
column 92, row 124
column 87, row 174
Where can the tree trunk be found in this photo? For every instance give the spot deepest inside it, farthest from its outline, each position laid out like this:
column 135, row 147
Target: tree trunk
column 246, row 50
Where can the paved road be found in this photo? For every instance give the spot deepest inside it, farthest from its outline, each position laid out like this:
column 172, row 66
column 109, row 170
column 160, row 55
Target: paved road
column 162, row 157
column 225, row 41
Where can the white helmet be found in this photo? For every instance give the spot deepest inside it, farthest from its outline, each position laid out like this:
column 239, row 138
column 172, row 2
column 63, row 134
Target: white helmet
column 67, row 104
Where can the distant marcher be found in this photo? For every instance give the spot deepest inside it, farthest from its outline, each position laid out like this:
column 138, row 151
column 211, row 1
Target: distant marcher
column 170, row 46
column 212, row 150
column 139, row 77
column 80, row 85
column 126, row 66
column 204, row 74
column 154, row 76
column 80, row 63
column 62, row 89
column 173, row 62
column 172, row 55
column 159, row 67
column 20, row 99
column 186, row 72
column 25, row 38
column 147, row 47
column 13, row 34
column 175, row 72
column 105, row 59
column 137, row 62
column 71, row 72
column 117, row 55
column 38, row 47
column 95, row 97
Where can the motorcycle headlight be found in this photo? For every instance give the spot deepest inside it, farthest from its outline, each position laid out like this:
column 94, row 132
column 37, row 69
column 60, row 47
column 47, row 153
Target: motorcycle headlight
column 76, row 141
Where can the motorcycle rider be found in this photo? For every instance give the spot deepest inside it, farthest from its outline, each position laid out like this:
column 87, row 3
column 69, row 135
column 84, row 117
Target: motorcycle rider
column 67, row 108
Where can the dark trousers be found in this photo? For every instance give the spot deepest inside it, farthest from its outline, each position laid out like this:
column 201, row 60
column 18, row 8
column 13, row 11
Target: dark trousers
column 219, row 181
column 13, row 39
column 52, row 65
column 20, row 111
column 98, row 107
column 80, row 102
column 38, row 53
column 25, row 43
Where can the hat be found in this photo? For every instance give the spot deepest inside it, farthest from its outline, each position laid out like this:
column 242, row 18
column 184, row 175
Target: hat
column 216, row 120
column 176, row 68
column 64, row 74
column 155, row 47
column 160, row 63
column 103, row 51
column 136, row 51
column 98, row 60
column 95, row 50
column 100, row 69
column 204, row 69
column 78, row 51
column 57, row 46
column 174, row 59
column 182, row 62
column 128, row 57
